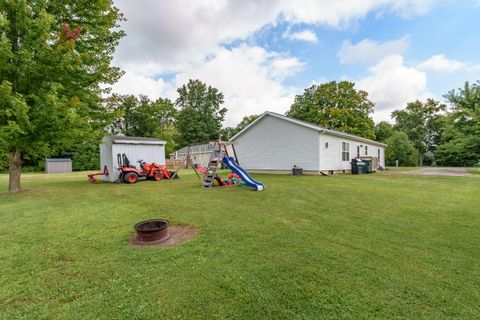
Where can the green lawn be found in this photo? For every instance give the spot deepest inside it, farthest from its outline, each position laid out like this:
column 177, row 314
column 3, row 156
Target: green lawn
column 475, row 170
column 340, row 247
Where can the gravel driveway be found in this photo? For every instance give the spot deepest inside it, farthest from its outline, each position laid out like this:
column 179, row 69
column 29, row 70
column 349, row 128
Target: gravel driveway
column 434, row 171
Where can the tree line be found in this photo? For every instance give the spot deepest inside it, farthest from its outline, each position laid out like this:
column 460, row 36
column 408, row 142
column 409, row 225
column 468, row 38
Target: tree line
column 423, row 132
column 55, row 65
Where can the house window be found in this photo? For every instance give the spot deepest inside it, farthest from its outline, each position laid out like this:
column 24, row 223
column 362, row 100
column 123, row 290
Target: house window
column 378, row 153
column 358, row 151
column 366, row 150
column 345, row 151
column 326, row 145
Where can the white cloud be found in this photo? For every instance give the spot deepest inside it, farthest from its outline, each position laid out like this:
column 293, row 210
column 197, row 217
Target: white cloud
column 136, row 83
column 391, row 85
column 304, row 35
column 369, row 50
column 441, row 63
column 250, row 78
column 168, row 34
column 189, row 39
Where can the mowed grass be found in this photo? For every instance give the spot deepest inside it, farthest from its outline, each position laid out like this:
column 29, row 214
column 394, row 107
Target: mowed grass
column 475, row 170
column 340, row 247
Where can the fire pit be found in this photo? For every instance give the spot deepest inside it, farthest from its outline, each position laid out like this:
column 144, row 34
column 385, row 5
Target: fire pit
column 151, row 231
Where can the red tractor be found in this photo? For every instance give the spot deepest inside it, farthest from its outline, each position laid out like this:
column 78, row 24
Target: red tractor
column 149, row 171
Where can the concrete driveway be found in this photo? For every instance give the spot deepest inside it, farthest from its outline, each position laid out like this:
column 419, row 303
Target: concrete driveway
column 437, row 171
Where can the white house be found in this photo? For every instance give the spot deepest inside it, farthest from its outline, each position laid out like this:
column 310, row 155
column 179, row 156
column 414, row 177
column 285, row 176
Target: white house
column 276, row 142
column 136, row 148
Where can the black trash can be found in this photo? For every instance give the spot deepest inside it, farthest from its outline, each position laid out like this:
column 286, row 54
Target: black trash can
column 368, row 166
column 358, row 166
column 297, row 171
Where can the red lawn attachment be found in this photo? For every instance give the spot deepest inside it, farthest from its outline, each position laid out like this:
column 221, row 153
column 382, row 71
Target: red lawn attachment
column 91, row 177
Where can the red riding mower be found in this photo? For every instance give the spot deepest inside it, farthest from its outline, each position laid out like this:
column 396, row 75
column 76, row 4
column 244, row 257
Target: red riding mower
column 149, row 171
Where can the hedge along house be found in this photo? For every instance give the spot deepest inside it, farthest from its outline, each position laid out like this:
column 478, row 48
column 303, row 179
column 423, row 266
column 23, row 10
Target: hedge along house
column 274, row 142
column 136, row 148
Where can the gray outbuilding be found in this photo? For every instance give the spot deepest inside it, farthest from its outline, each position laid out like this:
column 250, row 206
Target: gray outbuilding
column 58, row 165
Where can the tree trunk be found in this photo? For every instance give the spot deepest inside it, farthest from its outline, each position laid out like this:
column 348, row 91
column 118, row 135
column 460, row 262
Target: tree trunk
column 14, row 172
column 420, row 158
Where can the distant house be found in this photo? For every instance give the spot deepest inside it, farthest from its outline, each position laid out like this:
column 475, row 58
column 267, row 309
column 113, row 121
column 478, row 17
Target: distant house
column 275, row 142
column 199, row 154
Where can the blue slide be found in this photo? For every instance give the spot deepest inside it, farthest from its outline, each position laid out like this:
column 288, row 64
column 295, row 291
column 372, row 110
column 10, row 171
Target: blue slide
column 244, row 175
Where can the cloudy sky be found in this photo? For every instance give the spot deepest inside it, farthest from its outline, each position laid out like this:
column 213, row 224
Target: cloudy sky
column 260, row 54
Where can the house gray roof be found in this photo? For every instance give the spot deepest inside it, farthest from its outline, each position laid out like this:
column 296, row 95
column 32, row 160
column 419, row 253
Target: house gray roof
column 201, row 148
column 310, row 126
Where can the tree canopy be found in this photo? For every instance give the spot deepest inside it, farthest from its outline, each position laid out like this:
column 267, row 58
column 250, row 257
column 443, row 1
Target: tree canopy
column 200, row 113
column 400, row 148
column 461, row 140
column 335, row 105
column 143, row 117
column 423, row 122
column 53, row 57
column 383, row 131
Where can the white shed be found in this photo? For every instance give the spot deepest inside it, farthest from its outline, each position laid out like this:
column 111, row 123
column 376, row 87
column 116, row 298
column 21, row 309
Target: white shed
column 136, row 148
column 274, row 142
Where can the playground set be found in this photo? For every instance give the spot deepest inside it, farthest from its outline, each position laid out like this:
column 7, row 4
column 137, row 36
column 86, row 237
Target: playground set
column 219, row 156
column 130, row 174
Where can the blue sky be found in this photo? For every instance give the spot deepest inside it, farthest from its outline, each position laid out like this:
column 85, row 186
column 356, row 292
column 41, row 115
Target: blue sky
column 260, row 54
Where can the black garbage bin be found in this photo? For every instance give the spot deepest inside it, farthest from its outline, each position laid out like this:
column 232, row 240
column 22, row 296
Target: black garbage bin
column 368, row 166
column 297, row 171
column 358, row 166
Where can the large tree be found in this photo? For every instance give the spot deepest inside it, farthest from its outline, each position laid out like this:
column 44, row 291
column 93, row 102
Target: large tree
column 143, row 117
column 335, row 105
column 53, row 57
column 423, row 122
column 461, row 140
column 200, row 112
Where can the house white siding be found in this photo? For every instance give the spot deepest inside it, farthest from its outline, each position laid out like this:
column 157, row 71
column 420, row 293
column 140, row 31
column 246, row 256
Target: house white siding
column 135, row 151
column 331, row 156
column 274, row 144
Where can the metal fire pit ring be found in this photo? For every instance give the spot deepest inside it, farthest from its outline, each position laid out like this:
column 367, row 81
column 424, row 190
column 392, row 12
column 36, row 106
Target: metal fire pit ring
column 151, row 231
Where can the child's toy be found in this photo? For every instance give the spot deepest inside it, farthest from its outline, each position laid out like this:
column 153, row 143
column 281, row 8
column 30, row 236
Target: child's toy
column 218, row 156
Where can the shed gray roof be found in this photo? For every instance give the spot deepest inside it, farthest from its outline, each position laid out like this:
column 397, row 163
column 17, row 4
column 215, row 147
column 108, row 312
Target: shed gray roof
column 134, row 140
column 310, row 126
column 58, row 160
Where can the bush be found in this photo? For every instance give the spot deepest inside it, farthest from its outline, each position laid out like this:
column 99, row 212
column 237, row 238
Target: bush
column 400, row 148
column 4, row 161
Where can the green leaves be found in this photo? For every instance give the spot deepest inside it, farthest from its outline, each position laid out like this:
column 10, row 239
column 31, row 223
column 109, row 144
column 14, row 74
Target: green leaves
column 400, row 148
column 51, row 94
column 461, row 141
column 423, row 122
column 200, row 112
column 336, row 106
column 14, row 121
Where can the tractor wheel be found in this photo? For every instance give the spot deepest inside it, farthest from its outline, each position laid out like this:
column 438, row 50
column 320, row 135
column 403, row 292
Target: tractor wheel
column 157, row 176
column 130, row 178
